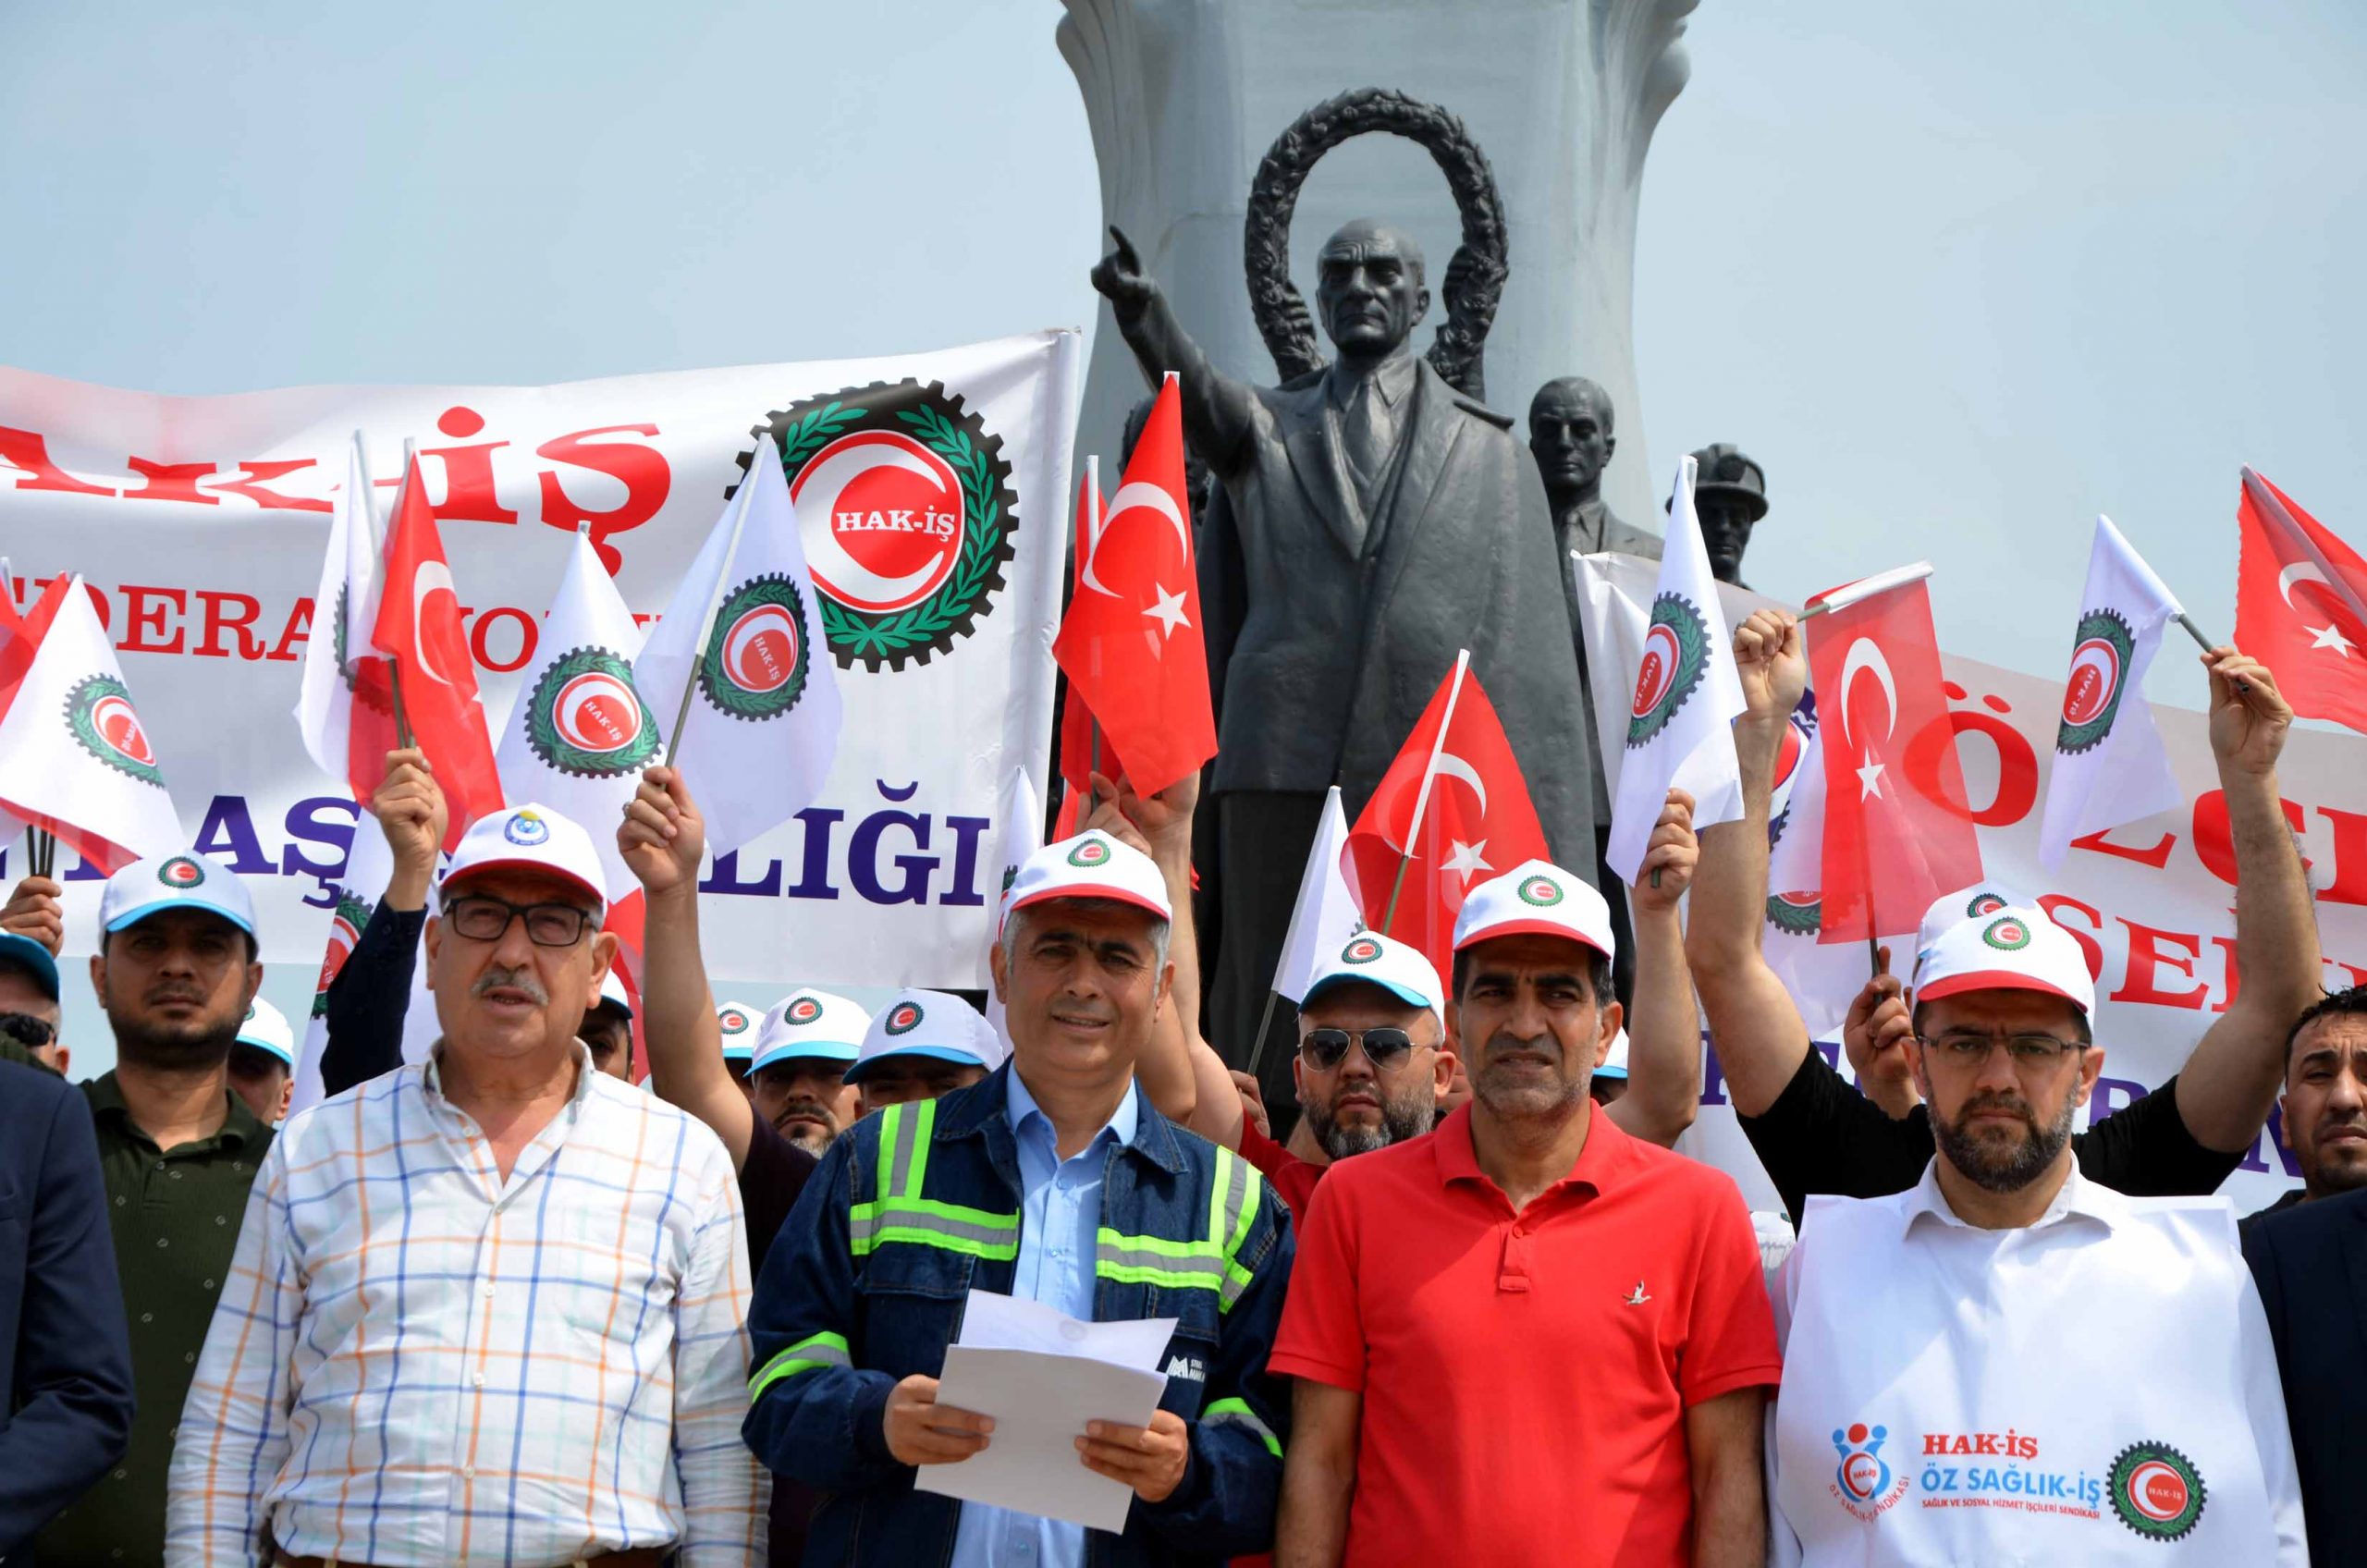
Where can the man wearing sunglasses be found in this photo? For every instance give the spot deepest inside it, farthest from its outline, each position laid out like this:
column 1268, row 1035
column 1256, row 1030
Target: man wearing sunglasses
column 1926, row 1415
column 29, row 1000
column 503, row 1290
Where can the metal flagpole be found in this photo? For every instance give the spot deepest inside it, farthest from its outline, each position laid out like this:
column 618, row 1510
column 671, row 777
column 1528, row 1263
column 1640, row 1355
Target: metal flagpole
column 1422, row 795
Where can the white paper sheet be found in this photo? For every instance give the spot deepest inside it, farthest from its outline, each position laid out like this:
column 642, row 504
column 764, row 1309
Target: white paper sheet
column 1042, row 1375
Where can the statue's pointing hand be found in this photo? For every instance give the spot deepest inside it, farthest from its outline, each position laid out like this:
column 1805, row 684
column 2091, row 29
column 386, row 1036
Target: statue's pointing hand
column 1121, row 278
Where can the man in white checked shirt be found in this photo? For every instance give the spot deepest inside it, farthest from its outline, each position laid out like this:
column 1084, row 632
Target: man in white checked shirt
column 490, row 1308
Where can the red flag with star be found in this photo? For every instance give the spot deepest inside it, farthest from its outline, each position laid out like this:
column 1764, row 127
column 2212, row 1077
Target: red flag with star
column 1131, row 641
column 1454, row 810
column 2301, row 605
column 1897, row 832
column 419, row 628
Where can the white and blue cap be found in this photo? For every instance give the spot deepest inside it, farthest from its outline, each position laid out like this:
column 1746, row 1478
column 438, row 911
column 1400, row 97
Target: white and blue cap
column 531, row 837
column 31, row 956
column 1369, row 958
column 811, row 1024
column 613, row 993
column 267, row 1029
column 169, row 882
column 932, row 1024
column 1614, row 1065
column 739, row 1024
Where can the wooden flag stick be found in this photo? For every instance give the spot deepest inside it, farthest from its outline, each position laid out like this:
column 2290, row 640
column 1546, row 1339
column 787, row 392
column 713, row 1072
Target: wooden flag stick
column 1422, row 795
column 765, row 452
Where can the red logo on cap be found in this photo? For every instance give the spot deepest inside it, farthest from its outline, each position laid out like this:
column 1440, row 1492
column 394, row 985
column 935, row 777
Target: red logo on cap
column 804, row 1009
column 180, row 872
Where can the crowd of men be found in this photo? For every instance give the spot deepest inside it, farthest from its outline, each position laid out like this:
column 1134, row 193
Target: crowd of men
column 542, row 1296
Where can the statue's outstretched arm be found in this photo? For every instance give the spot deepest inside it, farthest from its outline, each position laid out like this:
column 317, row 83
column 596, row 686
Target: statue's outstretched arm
column 1219, row 412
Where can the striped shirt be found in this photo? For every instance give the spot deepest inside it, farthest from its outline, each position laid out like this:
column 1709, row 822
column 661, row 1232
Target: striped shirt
column 417, row 1362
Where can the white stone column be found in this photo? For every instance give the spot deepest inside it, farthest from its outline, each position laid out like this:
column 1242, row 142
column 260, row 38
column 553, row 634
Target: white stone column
column 1184, row 96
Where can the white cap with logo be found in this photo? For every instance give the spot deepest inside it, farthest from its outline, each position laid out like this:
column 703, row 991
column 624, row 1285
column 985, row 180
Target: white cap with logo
column 534, row 837
column 184, row 881
column 1966, row 902
column 808, row 1022
column 738, row 1023
column 1091, row 866
column 267, row 1029
column 1535, row 899
column 2014, row 948
column 1370, row 958
column 929, row 1023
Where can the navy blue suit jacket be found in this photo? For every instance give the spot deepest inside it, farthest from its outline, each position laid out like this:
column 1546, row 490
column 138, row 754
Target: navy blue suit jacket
column 65, row 1359
column 2310, row 1262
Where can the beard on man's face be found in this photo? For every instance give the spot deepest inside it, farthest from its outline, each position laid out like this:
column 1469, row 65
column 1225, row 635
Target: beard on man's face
column 174, row 1045
column 2003, row 1156
column 1406, row 1114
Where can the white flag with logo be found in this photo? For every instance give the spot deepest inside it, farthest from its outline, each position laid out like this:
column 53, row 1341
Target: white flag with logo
column 1328, row 911
column 1680, row 723
column 2110, row 764
column 1019, row 819
column 763, row 718
column 75, row 760
column 580, row 734
column 369, row 867
column 349, row 572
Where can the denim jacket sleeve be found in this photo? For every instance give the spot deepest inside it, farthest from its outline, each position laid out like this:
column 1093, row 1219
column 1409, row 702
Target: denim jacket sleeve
column 1226, row 1505
column 813, row 1414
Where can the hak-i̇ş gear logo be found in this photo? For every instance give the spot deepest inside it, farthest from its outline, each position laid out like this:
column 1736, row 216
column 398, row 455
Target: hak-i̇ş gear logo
column 100, row 717
column 731, row 1021
column 1362, row 950
column 2007, row 935
column 757, row 660
column 904, row 1018
column 181, row 871
column 1795, row 914
column 1540, row 891
column 804, row 1009
column 2100, row 658
column 1984, row 902
column 907, row 512
column 345, row 934
column 1677, row 655
column 583, row 716
column 2156, row 1491
column 1092, row 853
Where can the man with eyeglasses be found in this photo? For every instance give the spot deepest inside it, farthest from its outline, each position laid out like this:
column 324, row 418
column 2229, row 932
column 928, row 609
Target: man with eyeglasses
column 1815, row 1133
column 1529, row 1268
column 490, row 1307
column 1928, row 1412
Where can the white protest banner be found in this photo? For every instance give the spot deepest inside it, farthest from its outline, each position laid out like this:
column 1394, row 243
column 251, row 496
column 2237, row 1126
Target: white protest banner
column 932, row 492
column 2151, row 902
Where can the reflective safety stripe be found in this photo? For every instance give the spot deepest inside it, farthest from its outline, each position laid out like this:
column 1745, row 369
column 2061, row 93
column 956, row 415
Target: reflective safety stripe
column 1238, row 1413
column 1208, row 1264
column 899, row 1213
column 816, row 1350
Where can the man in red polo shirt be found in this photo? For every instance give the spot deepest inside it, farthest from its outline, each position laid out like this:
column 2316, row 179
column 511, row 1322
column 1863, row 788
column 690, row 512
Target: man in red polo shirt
column 1531, row 1337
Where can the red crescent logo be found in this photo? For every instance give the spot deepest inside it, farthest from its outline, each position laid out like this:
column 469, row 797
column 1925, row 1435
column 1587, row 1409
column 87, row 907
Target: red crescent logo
column 119, row 727
column 597, row 712
column 760, row 650
column 2095, row 676
column 1657, row 673
column 892, row 519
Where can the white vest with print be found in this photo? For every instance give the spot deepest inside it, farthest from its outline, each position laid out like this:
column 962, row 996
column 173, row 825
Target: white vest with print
column 2086, row 1408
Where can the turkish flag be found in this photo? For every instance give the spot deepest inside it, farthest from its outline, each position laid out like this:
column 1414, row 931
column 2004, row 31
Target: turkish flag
column 1897, row 833
column 1131, row 641
column 419, row 628
column 1078, row 763
column 1475, row 820
column 2301, row 605
column 24, row 635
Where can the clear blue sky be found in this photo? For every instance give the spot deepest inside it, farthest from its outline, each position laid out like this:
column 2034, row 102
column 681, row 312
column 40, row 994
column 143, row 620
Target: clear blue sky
column 1959, row 275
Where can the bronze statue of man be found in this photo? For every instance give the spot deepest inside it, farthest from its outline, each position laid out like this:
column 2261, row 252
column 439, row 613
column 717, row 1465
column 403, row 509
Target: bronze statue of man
column 1372, row 522
column 1730, row 497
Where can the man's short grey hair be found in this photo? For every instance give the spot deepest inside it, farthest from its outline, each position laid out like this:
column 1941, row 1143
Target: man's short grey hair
column 1160, row 930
